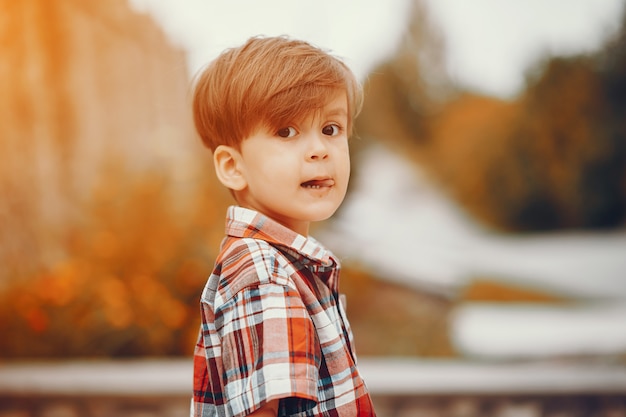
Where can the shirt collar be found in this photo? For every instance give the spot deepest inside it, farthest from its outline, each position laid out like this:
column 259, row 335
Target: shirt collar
column 243, row 222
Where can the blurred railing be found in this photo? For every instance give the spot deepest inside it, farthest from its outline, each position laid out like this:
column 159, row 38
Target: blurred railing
column 142, row 388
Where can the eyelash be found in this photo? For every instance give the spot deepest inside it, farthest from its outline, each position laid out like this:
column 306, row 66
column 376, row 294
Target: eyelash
column 336, row 127
column 286, row 132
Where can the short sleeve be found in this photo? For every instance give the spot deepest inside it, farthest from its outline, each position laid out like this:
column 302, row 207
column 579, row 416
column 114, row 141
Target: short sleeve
column 269, row 350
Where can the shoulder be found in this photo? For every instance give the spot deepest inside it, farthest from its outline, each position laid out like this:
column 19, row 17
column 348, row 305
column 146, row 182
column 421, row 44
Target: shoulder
column 245, row 262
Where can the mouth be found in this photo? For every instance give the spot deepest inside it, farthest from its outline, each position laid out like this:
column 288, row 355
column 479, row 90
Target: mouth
column 318, row 183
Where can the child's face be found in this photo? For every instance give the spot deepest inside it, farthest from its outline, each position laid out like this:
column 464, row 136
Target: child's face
column 300, row 173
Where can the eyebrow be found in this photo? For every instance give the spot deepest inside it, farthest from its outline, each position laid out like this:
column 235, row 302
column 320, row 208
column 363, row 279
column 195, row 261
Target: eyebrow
column 338, row 111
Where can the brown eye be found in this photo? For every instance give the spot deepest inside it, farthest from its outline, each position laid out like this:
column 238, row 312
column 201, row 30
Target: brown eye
column 287, row 132
column 331, row 130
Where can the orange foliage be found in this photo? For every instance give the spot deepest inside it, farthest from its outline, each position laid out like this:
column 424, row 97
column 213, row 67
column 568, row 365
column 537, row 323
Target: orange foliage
column 134, row 263
column 486, row 290
column 390, row 320
column 467, row 136
column 103, row 249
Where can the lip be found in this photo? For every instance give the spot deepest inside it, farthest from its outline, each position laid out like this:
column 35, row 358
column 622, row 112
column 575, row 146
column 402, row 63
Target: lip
column 318, row 182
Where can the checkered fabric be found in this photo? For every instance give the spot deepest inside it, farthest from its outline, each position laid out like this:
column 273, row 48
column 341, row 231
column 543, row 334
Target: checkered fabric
column 273, row 327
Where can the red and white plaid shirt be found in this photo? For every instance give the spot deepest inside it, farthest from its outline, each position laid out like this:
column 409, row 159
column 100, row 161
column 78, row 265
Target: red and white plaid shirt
column 273, row 328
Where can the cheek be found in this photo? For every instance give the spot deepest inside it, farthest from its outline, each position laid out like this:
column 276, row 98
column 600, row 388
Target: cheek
column 344, row 161
column 267, row 164
column 343, row 170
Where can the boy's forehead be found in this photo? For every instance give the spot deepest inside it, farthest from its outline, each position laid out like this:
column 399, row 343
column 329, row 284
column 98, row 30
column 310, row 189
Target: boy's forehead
column 334, row 105
column 337, row 104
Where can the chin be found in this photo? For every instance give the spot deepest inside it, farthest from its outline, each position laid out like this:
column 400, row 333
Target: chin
column 322, row 215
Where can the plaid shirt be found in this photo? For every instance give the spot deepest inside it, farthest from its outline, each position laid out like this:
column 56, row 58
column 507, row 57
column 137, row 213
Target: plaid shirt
column 273, row 328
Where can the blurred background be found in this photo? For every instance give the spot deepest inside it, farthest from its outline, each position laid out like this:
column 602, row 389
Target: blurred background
column 485, row 219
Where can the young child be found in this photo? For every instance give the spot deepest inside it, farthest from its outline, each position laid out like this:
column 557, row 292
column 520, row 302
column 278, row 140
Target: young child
column 275, row 340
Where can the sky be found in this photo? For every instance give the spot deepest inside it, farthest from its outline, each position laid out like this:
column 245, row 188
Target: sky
column 490, row 44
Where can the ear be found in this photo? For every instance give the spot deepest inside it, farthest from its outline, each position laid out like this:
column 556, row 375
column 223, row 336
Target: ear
column 229, row 167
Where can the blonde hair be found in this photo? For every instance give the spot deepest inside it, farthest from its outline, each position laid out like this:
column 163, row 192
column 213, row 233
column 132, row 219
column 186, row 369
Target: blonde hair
column 267, row 82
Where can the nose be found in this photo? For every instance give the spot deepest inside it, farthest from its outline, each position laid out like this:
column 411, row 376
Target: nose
column 317, row 148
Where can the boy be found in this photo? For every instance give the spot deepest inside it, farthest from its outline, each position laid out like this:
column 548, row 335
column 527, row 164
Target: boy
column 274, row 340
